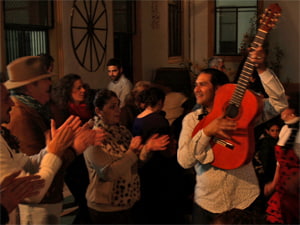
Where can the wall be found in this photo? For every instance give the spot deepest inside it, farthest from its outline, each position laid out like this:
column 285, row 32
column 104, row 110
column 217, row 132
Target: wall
column 98, row 79
column 154, row 36
column 199, row 33
column 2, row 44
column 286, row 36
column 153, row 40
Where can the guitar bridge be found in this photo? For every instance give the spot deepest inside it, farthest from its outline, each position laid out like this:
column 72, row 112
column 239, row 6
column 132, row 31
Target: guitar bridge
column 223, row 143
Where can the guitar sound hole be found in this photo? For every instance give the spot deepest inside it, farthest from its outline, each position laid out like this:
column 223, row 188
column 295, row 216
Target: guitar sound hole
column 232, row 111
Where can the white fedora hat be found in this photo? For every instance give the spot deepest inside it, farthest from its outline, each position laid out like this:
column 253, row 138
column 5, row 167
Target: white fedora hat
column 25, row 70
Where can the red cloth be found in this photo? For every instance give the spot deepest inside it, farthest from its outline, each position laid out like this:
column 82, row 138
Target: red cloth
column 283, row 206
column 81, row 110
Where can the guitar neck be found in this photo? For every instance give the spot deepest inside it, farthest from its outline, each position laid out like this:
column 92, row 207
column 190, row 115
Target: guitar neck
column 247, row 71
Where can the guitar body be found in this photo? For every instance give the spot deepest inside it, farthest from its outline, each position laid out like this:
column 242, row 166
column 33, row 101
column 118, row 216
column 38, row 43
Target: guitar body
column 231, row 154
column 236, row 102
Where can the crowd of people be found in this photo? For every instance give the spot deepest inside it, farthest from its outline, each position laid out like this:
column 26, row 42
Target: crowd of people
column 129, row 158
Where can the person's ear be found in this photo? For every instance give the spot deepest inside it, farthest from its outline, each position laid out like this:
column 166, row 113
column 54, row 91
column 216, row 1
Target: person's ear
column 98, row 111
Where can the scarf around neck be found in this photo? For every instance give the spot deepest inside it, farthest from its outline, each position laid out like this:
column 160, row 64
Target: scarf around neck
column 42, row 110
column 81, row 110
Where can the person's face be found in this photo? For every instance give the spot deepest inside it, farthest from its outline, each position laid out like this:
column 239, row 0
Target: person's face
column 40, row 90
column 114, row 72
column 204, row 90
column 274, row 131
column 78, row 92
column 221, row 67
column 6, row 104
column 110, row 112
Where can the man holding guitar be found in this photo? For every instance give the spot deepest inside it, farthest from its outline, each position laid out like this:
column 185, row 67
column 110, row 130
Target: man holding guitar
column 220, row 186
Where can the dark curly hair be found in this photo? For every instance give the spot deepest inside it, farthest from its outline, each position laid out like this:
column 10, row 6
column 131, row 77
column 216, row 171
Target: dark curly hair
column 102, row 97
column 151, row 96
column 61, row 92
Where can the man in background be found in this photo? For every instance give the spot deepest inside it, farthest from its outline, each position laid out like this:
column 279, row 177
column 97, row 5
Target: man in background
column 216, row 63
column 119, row 83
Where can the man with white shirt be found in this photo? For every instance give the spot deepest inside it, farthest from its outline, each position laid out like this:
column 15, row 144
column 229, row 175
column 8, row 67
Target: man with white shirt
column 219, row 190
column 119, row 83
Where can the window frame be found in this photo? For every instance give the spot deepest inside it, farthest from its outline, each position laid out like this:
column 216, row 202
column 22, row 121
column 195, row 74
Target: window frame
column 26, row 34
column 212, row 31
column 179, row 23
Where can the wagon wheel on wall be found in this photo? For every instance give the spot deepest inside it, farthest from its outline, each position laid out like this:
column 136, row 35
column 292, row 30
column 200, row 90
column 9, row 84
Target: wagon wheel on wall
column 89, row 33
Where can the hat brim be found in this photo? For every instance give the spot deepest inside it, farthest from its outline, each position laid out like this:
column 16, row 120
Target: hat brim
column 15, row 84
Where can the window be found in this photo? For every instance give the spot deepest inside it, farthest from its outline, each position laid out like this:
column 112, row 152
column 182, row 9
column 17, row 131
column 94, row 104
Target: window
column 175, row 28
column 26, row 27
column 233, row 20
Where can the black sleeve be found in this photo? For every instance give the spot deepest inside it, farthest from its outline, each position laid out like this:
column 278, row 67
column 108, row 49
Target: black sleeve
column 4, row 215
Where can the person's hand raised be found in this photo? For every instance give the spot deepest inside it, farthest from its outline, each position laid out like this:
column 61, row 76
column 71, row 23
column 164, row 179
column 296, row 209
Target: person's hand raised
column 73, row 122
column 63, row 137
column 157, row 142
column 85, row 136
column 258, row 56
column 14, row 190
column 136, row 145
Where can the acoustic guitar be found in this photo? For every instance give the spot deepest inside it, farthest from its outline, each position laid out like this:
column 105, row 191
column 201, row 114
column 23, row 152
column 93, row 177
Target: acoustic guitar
column 236, row 102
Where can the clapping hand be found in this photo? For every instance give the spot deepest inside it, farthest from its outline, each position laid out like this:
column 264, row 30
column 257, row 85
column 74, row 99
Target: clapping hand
column 14, row 190
column 63, row 137
column 157, row 142
column 136, row 145
column 85, row 137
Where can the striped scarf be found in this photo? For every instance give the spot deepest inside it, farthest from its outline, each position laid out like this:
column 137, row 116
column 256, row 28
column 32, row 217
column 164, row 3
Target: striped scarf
column 43, row 110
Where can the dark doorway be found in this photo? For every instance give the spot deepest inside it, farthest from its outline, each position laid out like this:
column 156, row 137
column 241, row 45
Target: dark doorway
column 124, row 29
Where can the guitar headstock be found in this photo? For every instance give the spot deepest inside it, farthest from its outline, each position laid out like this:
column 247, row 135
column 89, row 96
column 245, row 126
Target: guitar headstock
column 270, row 17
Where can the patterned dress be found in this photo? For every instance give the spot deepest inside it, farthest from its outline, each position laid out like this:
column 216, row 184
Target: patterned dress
column 114, row 182
column 283, row 206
